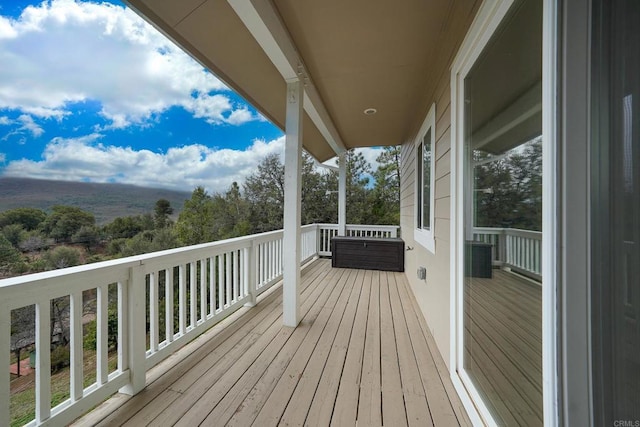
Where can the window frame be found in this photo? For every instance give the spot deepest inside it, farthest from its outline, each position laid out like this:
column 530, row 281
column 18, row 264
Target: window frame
column 421, row 235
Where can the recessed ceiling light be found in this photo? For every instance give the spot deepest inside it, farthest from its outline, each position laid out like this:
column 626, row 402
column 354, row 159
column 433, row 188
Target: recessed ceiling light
column 370, row 111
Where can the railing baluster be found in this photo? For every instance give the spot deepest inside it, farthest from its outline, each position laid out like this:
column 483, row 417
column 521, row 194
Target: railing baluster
column 168, row 305
column 251, row 272
column 182, row 299
column 203, row 290
column 43, row 361
column 235, row 271
column 102, row 330
column 279, row 256
column 221, row 281
column 123, row 325
column 76, row 362
column 228, row 278
column 257, row 251
column 193, row 306
column 153, row 312
column 272, row 257
column 212, row 286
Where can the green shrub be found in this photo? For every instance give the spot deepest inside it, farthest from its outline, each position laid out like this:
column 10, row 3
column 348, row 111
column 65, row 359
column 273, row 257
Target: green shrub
column 59, row 358
column 90, row 331
column 62, row 257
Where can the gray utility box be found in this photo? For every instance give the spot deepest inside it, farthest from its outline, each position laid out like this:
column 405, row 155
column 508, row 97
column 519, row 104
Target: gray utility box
column 477, row 260
column 369, row 253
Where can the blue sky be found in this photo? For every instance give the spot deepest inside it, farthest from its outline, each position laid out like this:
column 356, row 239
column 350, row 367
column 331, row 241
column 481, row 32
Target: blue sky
column 90, row 92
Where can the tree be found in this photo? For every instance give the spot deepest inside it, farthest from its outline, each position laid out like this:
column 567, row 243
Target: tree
column 196, row 223
column 89, row 236
column 162, row 211
column 264, row 191
column 318, row 205
column 62, row 257
column 386, row 192
column 231, row 214
column 14, row 233
column 128, row 226
column 28, row 218
column 10, row 257
column 358, row 177
column 64, row 221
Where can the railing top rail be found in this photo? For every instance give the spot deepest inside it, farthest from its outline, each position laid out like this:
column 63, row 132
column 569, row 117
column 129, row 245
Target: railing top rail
column 521, row 232
column 362, row 226
column 488, row 230
column 514, row 231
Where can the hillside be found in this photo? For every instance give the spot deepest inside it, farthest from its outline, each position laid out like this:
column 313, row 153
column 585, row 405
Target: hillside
column 105, row 201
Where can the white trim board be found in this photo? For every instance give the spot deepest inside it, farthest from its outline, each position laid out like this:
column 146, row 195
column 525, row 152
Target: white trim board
column 550, row 378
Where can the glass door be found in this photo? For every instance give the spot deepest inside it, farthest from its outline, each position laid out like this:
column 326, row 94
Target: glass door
column 502, row 204
column 615, row 240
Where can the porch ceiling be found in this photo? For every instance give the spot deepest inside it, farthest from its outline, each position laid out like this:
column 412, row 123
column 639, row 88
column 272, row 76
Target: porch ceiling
column 375, row 54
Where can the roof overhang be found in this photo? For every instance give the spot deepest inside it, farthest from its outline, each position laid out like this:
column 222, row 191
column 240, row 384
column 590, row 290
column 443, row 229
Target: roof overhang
column 352, row 56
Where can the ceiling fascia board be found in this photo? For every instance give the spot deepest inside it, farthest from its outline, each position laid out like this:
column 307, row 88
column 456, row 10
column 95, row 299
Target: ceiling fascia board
column 264, row 22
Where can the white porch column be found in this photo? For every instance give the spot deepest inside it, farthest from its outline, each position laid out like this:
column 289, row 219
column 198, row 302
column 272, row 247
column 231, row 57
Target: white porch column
column 292, row 203
column 342, row 195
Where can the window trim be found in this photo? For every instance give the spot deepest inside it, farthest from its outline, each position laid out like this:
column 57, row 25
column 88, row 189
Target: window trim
column 422, row 236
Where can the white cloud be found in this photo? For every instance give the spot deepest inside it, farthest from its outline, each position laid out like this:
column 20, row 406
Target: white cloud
column 3, row 157
column 240, row 116
column 180, row 168
column 28, row 125
column 64, row 51
column 5, row 121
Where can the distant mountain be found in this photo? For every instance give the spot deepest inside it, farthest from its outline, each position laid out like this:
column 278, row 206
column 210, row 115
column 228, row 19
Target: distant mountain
column 105, row 201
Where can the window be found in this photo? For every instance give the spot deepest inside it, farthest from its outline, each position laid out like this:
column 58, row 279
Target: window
column 425, row 168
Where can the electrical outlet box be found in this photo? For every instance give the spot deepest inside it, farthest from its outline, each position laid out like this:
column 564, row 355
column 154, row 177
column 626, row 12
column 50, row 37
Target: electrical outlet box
column 422, row 273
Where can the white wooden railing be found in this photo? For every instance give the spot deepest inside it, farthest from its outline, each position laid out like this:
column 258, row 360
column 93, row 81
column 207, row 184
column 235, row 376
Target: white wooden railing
column 163, row 301
column 519, row 250
column 328, row 231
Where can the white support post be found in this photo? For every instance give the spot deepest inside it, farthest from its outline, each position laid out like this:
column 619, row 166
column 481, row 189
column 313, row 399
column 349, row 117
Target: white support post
column 136, row 329
column 292, row 203
column 342, row 196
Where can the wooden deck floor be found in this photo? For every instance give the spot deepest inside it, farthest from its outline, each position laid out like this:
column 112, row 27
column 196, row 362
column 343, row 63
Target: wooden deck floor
column 362, row 354
column 503, row 343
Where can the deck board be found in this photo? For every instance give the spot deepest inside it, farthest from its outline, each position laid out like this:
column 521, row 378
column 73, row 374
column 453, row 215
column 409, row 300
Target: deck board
column 361, row 354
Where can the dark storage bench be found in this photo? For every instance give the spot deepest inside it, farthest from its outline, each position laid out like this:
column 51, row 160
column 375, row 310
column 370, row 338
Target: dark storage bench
column 368, row 253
